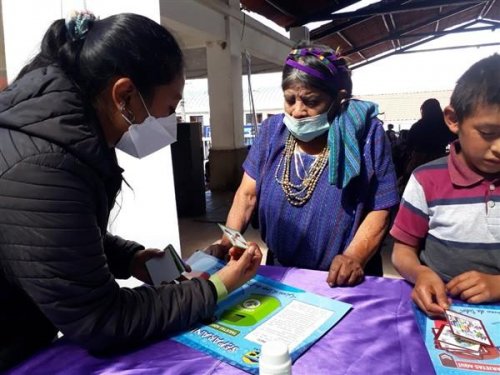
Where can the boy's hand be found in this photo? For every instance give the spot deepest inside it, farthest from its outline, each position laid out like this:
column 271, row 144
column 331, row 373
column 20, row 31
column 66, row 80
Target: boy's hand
column 475, row 287
column 429, row 293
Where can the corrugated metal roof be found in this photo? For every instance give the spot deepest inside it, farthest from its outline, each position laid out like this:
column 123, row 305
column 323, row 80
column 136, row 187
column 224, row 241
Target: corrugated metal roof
column 382, row 28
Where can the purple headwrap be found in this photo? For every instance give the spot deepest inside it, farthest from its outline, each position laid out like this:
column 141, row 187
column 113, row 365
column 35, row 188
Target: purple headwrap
column 329, row 59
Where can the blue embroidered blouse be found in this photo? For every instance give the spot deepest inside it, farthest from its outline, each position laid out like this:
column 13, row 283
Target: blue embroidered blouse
column 311, row 235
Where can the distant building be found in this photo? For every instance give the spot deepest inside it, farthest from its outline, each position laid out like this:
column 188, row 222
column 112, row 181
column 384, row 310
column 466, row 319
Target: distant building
column 400, row 109
column 403, row 109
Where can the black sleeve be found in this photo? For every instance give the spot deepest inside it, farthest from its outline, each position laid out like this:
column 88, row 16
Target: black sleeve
column 119, row 253
column 53, row 249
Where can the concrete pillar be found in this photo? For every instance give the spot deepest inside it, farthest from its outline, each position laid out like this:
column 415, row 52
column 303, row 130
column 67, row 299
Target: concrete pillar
column 147, row 213
column 299, row 34
column 226, row 107
column 218, row 26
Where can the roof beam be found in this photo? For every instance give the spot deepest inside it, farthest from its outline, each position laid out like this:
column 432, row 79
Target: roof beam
column 490, row 22
column 404, row 51
column 348, row 42
column 333, row 28
column 280, row 8
column 412, row 28
column 391, row 17
column 337, row 5
column 389, row 29
column 451, row 48
column 407, row 47
column 446, row 32
column 330, row 29
column 487, row 8
column 379, row 9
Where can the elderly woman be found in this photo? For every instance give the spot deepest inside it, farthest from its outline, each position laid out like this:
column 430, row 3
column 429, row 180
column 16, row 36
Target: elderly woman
column 320, row 174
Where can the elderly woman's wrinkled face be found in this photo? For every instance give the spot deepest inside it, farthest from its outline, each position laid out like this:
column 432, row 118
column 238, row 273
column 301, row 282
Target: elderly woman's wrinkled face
column 304, row 101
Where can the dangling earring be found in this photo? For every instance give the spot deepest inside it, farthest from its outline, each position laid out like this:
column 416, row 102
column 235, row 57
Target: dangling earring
column 127, row 113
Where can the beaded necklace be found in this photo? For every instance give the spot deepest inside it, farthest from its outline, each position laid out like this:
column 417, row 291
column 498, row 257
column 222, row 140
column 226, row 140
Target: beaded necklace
column 298, row 195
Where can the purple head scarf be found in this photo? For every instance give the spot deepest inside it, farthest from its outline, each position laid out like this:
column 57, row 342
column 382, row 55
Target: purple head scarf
column 329, row 59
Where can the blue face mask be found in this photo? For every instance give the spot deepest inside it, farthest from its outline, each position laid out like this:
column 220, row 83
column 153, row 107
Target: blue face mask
column 307, row 128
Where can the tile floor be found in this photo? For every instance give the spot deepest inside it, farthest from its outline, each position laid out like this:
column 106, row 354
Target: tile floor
column 199, row 232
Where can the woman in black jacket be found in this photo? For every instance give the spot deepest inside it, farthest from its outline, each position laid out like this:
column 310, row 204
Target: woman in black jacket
column 428, row 140
column 95, row 84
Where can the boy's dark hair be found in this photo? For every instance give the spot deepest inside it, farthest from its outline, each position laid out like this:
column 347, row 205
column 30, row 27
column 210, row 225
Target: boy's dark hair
column 479, row 85
column 128, row 45
column 342, row 79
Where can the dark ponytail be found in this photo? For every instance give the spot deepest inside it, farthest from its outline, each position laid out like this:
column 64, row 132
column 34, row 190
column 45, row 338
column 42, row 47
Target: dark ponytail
column 56, row 48
column 127, row 45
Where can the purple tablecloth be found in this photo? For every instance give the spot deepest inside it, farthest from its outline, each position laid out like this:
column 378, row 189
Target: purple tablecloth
column 378, row 336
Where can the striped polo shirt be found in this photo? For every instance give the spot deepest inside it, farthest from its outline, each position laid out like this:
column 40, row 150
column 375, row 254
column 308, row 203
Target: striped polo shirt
column 453, row 215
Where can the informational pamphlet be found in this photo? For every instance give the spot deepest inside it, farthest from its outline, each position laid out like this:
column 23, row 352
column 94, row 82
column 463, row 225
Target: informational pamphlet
column 262, row 310
column 465, row 341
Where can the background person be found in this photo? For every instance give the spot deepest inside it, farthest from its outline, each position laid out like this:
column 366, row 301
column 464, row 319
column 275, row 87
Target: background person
column 391, row 135
column 428, row 139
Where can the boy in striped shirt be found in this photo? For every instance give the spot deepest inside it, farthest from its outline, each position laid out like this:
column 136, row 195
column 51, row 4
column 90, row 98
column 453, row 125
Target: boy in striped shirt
column 447, row 230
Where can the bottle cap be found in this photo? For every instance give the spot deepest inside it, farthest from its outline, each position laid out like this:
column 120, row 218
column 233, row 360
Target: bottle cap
column 275, row 359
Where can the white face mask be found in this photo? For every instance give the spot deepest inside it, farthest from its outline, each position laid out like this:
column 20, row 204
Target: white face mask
column 151, row 135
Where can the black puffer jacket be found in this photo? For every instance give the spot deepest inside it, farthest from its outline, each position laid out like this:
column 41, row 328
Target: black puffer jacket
column 58, row 264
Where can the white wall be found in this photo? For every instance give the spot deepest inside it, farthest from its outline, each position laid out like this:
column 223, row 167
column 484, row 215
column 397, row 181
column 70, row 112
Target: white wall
column 148, row 213
column 23, row 30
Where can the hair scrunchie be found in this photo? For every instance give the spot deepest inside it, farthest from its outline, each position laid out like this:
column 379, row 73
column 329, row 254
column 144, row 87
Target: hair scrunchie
column 78, row 24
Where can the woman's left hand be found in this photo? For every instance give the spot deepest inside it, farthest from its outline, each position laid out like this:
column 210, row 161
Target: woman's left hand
column 138, row 265
column 345, row 271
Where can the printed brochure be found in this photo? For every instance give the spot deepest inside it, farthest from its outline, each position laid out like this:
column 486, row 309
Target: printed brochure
column 261, row 310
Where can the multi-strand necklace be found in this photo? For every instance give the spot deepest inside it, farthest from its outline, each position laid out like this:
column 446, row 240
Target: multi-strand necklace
column 299, row 194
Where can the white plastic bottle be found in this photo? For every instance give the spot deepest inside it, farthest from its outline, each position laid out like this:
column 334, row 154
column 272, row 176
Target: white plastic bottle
column 275, row 359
